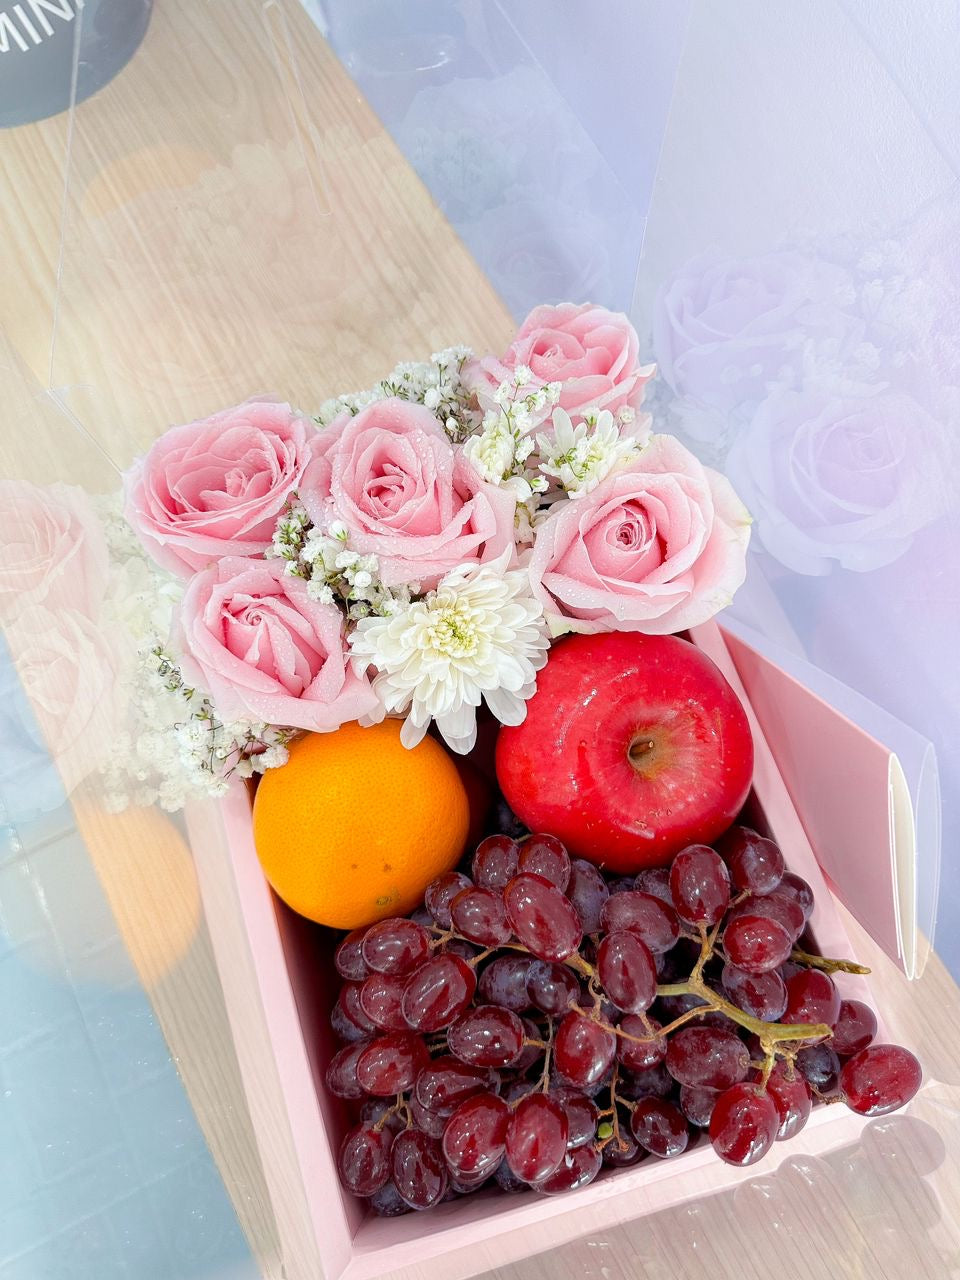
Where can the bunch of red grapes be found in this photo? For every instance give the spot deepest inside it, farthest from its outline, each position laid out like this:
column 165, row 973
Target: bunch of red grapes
column 536, row 1021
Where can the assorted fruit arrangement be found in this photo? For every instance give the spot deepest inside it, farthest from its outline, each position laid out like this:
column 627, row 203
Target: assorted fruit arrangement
column 537, row 1020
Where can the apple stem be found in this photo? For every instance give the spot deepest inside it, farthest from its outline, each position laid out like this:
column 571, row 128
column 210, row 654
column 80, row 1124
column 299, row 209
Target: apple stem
column 639, row 748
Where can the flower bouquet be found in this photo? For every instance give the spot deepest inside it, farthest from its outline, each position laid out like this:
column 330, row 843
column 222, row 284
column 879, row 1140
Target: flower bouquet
column 459, row 625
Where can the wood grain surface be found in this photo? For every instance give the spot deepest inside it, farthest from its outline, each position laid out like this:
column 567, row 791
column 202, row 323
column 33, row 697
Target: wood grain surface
column 227, row 218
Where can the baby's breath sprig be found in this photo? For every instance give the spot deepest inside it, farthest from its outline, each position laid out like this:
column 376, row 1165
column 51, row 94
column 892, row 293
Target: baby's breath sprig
column 437, row 384
column 501, row 449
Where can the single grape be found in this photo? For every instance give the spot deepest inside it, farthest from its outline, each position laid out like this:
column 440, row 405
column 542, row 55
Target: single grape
column 854, row 1029
column 655, row 881
column 505, row 821
column 507, row 1180
column 697, row 1104
column 774, row 906
column 542, row 918
column 446, row 1082
column 391, row 1063
column 791, row 1098
column 552, row 988
column 546, row 856
column 364, row 1160
column 437, row 994
column 623, row 1151
column 578, row 1169
column 395, row 946
column 707, row 1057
column 640, row 1057
column 495, row 862
column 441, row 892
column 670, row 1007
column 582, row 1114
column 812, row 997
column 382, row 1111
column 795, row 887
column 588, row 892
column 699, row 885
column 622, row 884
column 348, row 957
column 417, row 1168
column 819, row 1066
column 756, row 944
column 430, row 1122
column 344, row 1027
column 386, row 1203
column 462, row 948
column 651, row 920
column 755, row 863
column 880, row 1079
column 381, row 999
column 341, row 1074
column 504, row 982
column 349, row 1000
column 762, row 995
column 655, row 1082
column 479, row 914
column 536, row 1137
column 531, row 1053
column 626, row 969
column 659, row 1128
column 677, row 964
column 475, row 1137
column 464, row 1186
column 583, row 1050
column 421, row 916
column 744, row 1124
column 487, row 1036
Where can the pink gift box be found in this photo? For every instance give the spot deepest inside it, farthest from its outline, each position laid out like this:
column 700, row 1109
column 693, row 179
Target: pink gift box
column 279, row 984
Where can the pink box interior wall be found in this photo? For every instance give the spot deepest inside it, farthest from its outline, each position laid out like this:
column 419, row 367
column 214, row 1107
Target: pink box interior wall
column 297, row 986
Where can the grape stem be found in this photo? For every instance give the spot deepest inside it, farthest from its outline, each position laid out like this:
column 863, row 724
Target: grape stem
column 826, row 964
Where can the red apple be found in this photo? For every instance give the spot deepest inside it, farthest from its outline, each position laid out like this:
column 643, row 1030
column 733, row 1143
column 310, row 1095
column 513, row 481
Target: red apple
column 633, row 747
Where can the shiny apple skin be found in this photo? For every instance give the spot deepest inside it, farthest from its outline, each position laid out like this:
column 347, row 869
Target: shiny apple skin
column 567, row 768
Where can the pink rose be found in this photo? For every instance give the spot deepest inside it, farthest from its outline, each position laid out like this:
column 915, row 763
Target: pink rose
column 405, row 494
column 592, row 352
column 53, row 549
column 68, row 672
column 657, row 547
column 215, row 488
column 264, row 650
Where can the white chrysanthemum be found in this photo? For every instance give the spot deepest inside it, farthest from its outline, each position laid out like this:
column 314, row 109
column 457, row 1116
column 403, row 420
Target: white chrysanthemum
column 479, row 635
column 580, row 457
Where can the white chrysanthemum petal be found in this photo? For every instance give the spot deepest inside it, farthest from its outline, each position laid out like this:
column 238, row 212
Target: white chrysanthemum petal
column 478, row 635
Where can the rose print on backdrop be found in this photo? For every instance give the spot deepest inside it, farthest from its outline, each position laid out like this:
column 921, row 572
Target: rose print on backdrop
column 841, row 481
column 796, row 371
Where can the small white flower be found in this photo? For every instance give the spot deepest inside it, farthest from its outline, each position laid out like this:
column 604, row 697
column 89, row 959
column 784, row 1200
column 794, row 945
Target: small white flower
column 362, row 580
column 322, row 592
column 491, row 453
column 432, row 398
column 522, row 375
column 504, row 394
column 337, row 529
column 580, row 457
column 480, row 635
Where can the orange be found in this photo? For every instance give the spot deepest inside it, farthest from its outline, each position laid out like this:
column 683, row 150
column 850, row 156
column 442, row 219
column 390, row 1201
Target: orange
column 355, row 826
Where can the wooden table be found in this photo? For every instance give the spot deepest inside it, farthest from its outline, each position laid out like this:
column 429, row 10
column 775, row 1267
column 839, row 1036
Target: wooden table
column 228, row 218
